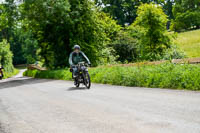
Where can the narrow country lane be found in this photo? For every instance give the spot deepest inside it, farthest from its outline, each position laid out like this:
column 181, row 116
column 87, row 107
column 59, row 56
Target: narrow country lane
column 30, row 105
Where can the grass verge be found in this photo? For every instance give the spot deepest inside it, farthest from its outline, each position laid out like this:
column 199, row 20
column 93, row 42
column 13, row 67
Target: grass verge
column 8, row 75
column 166, row 75
column 189, row 42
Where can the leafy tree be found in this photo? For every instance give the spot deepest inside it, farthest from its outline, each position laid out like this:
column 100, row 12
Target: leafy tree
column 24, row 46
column 59, row 25
column 109, row 29
column 6, row 56
column 3, row 18
column 8, row 15
column 187, row 15
column 125, row 11
column 49, row 20
column 154, row 39
column 9, row 26
column 168, row 8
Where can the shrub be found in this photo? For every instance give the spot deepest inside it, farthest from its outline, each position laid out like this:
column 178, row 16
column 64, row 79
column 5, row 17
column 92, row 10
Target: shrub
column 166, row 75
column 125, row 46
column 6, row 56
column 10, row 74
column 173, row 53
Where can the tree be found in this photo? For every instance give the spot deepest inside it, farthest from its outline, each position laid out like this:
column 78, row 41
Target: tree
column 24, row 47
column 168, row 7
column 155, row 39
column 8, row 15
column 124, row 11
column 59, row 25
column 6, row 56
column 187, row 15
column 9, row 27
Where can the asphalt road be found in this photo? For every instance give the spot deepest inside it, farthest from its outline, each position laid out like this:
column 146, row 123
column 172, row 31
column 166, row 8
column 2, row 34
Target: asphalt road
column 51, row 106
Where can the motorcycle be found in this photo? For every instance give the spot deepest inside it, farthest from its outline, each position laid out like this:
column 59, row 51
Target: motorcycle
column 1, row 73
column 82, row 75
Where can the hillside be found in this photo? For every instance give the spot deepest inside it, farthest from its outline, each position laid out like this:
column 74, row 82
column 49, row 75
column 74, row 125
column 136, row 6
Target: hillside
column 190, row 43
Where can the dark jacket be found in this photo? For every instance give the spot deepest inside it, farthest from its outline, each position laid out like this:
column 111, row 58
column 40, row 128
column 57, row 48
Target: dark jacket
column 75, row 58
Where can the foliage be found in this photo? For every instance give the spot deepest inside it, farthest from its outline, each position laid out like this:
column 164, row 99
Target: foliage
column 124, row 11
column 174, row 53
column 109, row 31
column 4, row 21
column 189, row 42
column 167, row 75
column 6, row 56
column 10, row 28
column 187, row 15
column 155, row 39
column 59, row 25
column 62, row 74
column 125, row 47
column 10, row 74
column 168, row 8
column 8, row 17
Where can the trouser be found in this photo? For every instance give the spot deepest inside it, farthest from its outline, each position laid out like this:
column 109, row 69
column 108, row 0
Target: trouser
column 75, row 71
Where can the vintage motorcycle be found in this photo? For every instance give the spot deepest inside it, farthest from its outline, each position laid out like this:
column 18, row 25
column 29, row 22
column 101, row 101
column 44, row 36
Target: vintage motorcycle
column 82, row 75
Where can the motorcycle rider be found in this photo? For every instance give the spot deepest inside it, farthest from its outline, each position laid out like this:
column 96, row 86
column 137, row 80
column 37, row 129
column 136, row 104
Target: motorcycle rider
column 75, row 57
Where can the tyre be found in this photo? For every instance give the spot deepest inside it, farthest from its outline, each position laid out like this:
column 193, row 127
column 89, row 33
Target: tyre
column 76, row 83
column 87, row 81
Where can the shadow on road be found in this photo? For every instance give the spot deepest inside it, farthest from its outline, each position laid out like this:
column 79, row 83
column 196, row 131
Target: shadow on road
column 20, row 82
column 76, row 88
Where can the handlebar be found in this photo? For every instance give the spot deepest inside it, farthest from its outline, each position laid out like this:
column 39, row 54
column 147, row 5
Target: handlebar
column 82, row 63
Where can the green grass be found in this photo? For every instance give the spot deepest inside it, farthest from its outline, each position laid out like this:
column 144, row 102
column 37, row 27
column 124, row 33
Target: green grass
column 189, row 42
column 155, row 76
column 8, row 75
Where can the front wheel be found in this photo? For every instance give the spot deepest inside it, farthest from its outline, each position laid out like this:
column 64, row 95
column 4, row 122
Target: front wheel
column 87, row 81
column 76, row 83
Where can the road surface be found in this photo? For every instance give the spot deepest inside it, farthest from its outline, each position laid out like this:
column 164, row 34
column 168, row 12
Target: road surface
column 52, row 106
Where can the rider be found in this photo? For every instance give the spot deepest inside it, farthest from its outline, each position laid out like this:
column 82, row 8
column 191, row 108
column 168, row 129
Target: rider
column 75, row 57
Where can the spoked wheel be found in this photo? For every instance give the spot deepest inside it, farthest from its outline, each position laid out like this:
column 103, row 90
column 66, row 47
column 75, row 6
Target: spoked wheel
column 76, row 83
column 87, row 81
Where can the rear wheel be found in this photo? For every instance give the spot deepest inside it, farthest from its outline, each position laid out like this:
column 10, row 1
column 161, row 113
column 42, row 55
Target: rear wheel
column 87, row 81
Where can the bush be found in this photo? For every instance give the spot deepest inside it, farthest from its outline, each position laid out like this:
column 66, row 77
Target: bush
column 174, row 53
column 126, row 47
column 10, row 74
column 166, row 75
column 6, row 56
